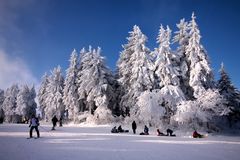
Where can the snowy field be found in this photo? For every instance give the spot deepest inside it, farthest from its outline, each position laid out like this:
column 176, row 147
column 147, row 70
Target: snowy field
column 97, row 143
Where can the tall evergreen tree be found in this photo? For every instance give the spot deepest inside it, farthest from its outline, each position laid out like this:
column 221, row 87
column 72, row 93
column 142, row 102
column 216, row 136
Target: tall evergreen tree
column 182, row 37
column 42, row 94
column 135, row 69
column 26, row 105
column 70, row 94
column 230, row 93
column 200, row 73
column 166, row 67
column 96, row 81
column 54, row 95
column 1, row 105
column 81, row 93
column 10, row 103
column 168, row 74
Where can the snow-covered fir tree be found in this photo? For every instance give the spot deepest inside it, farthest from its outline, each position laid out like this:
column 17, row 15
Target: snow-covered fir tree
column 230, row 93
column 26, row 105
column 70, row 92
column 95, row 82
column 167, row 72
column 10, row 103
column 200, row 73
column 81, row 93
column 182, row 37
column 135, row 69
column 42, row 94
column 1, row 97
column 54, row 95
column 1, row 105
column 165, row 65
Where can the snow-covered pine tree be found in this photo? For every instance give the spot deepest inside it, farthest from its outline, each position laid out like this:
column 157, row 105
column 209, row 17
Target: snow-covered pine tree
column 70, row 92
column 182, row 37
column 26, row 105
column 54, row 94
column 81, row 93
column 167, row 71
column 1, row 105
column 135, row 69
column 165, row 65
column 10, row 103
column 96, row 82
column 85, row 59
column 42, row 94
column 230, row 93
column 200, row 73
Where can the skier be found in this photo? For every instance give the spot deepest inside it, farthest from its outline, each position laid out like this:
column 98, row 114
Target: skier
column 54, row 122
column 134, row 127
column 34, row 123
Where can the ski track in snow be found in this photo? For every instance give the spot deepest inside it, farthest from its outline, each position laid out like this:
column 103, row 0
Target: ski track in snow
column 97, row 143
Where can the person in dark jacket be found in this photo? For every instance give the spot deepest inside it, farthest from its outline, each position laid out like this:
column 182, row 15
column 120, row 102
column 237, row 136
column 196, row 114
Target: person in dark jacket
column 120, row 130
column 60, row 122
column 134, row 127
column 146, row 130
column 114, row 130
column 34, row 123
column 54, row 122
column 170, row 133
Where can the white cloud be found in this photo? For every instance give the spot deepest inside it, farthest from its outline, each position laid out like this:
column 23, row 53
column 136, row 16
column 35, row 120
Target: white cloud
column 14, row 70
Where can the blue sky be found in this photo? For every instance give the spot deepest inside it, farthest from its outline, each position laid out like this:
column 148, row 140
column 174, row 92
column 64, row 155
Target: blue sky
column 36, row 36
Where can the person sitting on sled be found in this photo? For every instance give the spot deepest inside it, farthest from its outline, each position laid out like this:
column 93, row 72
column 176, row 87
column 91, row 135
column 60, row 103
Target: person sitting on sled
column 197, row 135
column 114, row 130
column 160, row 133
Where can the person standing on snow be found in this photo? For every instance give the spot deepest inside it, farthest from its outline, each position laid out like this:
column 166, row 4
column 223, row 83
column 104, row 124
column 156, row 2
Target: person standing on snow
column 34, row 123
column 54, row 122
column 134, row 127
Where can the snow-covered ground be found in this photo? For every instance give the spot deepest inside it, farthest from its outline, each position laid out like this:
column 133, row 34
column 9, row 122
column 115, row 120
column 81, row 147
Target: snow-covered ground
column 97, row 143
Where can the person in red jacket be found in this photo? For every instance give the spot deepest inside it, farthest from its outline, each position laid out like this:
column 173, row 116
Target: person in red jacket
column 197, row 135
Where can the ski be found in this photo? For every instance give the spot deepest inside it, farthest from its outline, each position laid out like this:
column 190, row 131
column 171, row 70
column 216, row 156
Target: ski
column 33, row 137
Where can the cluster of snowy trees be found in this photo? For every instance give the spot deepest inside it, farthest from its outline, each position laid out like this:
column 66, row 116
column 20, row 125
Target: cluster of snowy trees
column 17, row 103
column 159, row 88
column 165, row 87
column 87, row 92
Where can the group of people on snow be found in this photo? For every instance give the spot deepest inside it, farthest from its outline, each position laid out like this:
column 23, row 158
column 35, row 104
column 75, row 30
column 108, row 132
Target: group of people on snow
column 118, row 130
column 169, row 132
column 34, row 123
